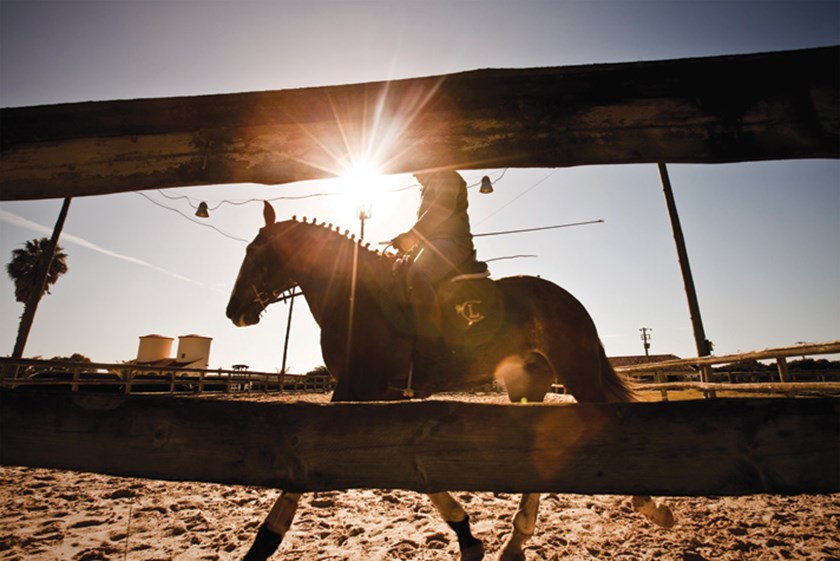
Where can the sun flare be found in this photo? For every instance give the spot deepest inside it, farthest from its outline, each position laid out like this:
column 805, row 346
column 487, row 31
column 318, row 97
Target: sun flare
column 364, row 183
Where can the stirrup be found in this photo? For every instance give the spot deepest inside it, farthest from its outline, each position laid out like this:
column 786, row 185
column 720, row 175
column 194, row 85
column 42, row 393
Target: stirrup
column 407, row 391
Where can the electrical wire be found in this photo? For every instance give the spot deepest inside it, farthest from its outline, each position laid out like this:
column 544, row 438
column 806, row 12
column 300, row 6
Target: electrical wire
column 334, row 193
column 218, row 204
column 508, row 257
column 568, row 225
column 519, row 196
column 206, row 225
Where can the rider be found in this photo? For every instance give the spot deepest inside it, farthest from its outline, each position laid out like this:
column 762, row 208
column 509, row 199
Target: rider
column 439, row 242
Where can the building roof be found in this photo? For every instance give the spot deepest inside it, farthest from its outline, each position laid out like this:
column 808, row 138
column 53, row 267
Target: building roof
column 164, row 363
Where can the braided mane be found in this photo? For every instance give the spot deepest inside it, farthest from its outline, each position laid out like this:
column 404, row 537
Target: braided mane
column 334, row 232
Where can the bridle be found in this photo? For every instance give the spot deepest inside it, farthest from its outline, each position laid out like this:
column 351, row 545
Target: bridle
column 265, row 300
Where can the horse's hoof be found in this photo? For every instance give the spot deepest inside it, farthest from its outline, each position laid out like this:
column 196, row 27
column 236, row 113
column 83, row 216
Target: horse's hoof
column 511, row 556
column 660, row 514
column 512, row 550
column 474, row 552
column 264, row 545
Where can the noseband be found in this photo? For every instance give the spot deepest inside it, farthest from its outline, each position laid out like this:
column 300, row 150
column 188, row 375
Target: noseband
column 265, row 300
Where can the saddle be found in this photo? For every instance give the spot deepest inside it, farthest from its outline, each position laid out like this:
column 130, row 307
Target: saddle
column 470, row 302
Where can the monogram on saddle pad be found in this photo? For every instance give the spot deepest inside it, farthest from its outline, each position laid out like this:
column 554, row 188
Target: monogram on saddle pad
column 471, row 305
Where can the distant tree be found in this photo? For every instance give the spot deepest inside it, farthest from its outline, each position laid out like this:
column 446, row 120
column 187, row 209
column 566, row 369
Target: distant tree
column 319, row 371
column 812, row 364
column 75, row 357
column 750, row 365
column 23, row 270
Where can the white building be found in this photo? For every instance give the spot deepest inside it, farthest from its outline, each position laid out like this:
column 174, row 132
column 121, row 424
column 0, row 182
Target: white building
column 156, row 350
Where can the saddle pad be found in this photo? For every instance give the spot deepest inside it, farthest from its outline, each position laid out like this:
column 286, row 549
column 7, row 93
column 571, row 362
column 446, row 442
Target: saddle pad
column 472, row 310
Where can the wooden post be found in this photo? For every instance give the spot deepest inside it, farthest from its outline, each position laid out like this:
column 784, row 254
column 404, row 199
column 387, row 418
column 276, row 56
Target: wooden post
column 286, row 338
column 41, row 275
column 703, row 346
column 782, row 366
column 76, row 374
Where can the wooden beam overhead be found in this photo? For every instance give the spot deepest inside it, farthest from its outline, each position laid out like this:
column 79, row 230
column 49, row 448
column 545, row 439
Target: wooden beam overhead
column 709, row 447
column 780, row 105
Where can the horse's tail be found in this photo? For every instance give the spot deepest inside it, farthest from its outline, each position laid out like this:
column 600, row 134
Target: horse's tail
column 616, row 387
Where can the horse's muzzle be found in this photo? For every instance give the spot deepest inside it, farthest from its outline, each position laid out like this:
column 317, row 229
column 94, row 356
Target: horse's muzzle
column 243, row 318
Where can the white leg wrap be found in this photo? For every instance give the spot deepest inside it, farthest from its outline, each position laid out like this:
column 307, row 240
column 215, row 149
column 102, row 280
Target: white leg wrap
column 279, row 520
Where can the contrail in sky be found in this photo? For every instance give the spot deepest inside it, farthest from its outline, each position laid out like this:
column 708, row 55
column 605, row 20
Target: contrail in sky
column 14, row 219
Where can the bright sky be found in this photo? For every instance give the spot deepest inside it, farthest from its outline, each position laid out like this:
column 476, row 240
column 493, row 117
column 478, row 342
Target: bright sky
column 762, row 238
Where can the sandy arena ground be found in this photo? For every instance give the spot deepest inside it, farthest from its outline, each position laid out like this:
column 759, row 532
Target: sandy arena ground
column 61, row 515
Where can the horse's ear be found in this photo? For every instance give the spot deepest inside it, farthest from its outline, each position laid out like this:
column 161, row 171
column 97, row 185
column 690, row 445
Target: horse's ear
column 268, row 213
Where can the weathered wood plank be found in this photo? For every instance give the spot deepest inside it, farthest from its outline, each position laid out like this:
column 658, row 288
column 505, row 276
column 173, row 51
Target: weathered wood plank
column 716, row 447
column 705, row 110
column 819, row 389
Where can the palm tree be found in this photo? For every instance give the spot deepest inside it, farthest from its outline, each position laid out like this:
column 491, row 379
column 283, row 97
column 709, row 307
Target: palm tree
column 23, row 269
column 24, row 264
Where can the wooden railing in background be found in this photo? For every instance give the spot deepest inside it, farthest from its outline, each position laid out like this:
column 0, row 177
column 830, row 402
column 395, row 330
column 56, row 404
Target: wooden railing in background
column 135, row 378
column 703, row 378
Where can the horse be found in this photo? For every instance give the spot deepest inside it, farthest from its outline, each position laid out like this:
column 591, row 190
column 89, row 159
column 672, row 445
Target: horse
column 367, row 341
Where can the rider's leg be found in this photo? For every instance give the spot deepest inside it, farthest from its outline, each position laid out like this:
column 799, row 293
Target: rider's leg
column 435, row 261
column 428, row 323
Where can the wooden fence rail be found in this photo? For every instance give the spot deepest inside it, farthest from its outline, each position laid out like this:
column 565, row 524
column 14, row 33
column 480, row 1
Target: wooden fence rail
column 704, row 447
column 704, row 110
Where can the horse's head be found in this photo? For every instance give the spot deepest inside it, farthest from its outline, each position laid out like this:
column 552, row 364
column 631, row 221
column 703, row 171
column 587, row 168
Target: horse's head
column 263, row 277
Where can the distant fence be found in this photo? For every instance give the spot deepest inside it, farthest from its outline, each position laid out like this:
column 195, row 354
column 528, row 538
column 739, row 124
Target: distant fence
column 136, row 378
column 702, row 378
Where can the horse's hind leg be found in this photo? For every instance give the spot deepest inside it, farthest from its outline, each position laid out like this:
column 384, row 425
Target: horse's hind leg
column 275, row 526
column 453, row 514
column 526, row 379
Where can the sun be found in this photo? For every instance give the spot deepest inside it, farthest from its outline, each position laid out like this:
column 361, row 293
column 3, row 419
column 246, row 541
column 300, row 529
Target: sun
column 363, row 182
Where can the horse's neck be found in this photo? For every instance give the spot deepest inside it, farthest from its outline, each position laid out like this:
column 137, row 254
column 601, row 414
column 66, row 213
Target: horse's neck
column 325, row 272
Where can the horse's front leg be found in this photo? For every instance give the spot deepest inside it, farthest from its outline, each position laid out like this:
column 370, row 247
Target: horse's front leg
column 275, row 526
column 524, row 524
column 453, row 514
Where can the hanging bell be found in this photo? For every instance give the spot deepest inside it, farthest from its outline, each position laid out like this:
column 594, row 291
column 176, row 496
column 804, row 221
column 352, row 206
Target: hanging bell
column 202, row 210
column 486, row 185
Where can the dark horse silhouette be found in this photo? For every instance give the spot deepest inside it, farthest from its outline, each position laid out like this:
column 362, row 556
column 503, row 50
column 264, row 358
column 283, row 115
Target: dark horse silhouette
column 545, row 334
